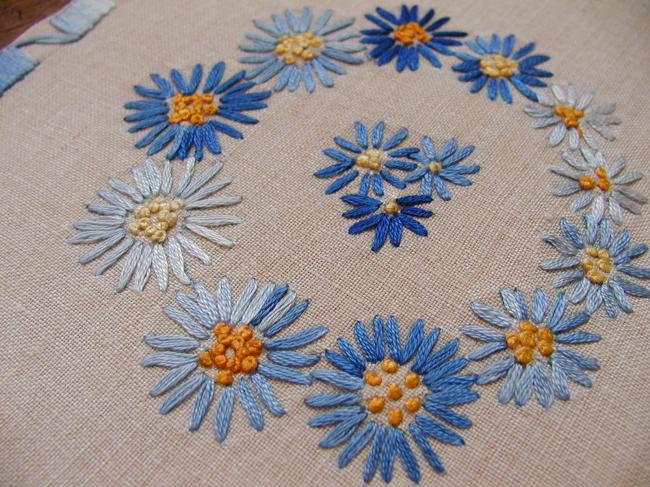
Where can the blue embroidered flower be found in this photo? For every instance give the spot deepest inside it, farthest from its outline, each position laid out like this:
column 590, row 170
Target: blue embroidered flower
column 408, row 37
column 368, row 155
column 435, row 169
column 596, row 261
column 296, row 50
column 496, row 64
column 185, row 116
column 388, row 217
column 244, row 351
column 531, row 343
column 385, row 390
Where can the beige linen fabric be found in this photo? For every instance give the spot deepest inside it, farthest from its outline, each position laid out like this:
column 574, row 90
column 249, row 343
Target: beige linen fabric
column 75, row 409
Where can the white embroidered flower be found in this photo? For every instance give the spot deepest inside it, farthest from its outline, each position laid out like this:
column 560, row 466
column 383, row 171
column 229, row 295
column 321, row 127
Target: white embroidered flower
column 568, row 114
column 606, row 186
column 150, row 225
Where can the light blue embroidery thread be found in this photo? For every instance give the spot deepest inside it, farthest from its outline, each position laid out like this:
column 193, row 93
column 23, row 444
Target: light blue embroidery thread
column 272, row 308
column 73, row 21
column 539, row 369
column 427, row 378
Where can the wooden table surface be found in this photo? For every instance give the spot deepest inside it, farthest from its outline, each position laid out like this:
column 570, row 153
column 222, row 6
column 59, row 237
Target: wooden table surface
column 16, row 16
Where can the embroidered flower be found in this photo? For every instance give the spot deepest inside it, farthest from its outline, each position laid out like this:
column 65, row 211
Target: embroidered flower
column 408, row 37
column 600, row 184
column 295, row 50
column 149, row 225
column 595, row 262
column 368, row 156
column 531, row 343
column 435, row 169
column 232, row 347
column 568, row 114
column 388, row 217
column 496, row 64
column 186, row 117
column 385, row 390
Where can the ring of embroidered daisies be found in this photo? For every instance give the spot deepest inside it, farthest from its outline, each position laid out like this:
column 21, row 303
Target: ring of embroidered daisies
column 532, row 345
column 383, row 389
column 186, row 117
column 148, row 226
column 295, row 50
column 231, row 348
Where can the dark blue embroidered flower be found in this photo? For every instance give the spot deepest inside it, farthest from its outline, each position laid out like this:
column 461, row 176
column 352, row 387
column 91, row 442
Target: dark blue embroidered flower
column 435, row 169
column 385, row 389
column 185, row 117
column 296, row 50
column 496, row 64
column 408, row 37
column 388, row 217
column 370, row 155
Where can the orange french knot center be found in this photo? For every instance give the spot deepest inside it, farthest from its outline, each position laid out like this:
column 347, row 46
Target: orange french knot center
column 234, row 350
column 526, row 339
column 191, row 108
column 291, row 48
column 601, row 180
column 408, row 33
column 570, row 116
column 596, row 265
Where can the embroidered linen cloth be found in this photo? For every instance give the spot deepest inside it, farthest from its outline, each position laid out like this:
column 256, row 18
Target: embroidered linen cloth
column 75, row 408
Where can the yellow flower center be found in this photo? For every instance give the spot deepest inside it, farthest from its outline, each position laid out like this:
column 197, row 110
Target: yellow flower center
column 393, row 392
column 601, row 180
column 570, row 116
column 303, row 46
column 155, row 218
column 233, row 351
column 496, row 66
column 191, row 108
column 390, row 207
column 526, row 338
column 435, row 166
column 408, row 33
column 596, row 264
column 369, row 159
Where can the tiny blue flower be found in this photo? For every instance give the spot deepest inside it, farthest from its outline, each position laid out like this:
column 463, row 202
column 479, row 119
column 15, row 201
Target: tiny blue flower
column 387, row 217
column 596, row 260
column 295, row 50
column 531, row 342
column 389, row 394
column 436, row 169
column 244, row 349
column 496, row 64
column 182, row 115
column 369, row 154
column 408, row 37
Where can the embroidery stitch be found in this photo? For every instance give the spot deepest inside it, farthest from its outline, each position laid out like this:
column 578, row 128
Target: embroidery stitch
column 572, row 116
column 147, row 226
column 408, row 37
column 389, row 383
column 436, row 169
column 594, row 261
column 388, row 217
column 295, row 50
column 245, row 352
column 532, row 340
column 370, row 156
column 600, row 184
column 182, row 116
column 496, row 64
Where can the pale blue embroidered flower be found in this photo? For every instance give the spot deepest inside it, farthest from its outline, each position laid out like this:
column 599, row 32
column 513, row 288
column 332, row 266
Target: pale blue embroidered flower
column 371, row 155
column 596, row 262
column 244, row 351
column 531, row 344
column 436, row 169
column 388, row 390
column 185, row 116
column 494, row 63
column 295, row 50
